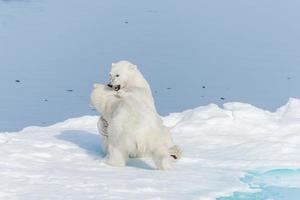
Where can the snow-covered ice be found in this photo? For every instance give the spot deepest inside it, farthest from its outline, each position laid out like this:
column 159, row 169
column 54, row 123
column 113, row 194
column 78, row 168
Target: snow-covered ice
column 222, row 147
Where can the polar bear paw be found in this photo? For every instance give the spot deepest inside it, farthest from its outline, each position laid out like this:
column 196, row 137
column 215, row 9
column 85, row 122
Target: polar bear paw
column 103, row 127
column 175, row 152
column 120, row 93
column 114, row 163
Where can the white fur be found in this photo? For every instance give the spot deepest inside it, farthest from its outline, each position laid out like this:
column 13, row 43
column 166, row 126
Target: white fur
column 134, row 128
column 127, row 75
column 131, row 81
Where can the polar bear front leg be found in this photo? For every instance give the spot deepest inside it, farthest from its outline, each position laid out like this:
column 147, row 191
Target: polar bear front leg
column 102, row 129
column 121, row 93
column 102, row 126
column 115, row 157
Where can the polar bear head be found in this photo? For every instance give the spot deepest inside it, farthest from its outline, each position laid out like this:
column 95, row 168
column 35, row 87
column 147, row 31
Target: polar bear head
column 100, row 96
column 122, row 75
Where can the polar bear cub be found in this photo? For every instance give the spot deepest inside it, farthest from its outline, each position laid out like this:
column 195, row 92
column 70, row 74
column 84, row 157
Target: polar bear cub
column 134, row 130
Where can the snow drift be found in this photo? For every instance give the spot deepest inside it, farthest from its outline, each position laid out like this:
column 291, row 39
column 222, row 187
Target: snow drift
column 221, row 147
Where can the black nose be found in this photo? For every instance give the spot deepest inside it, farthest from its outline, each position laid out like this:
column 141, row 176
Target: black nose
column 109, row 85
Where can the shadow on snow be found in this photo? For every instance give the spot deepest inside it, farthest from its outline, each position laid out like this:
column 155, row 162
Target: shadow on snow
column 91, row 143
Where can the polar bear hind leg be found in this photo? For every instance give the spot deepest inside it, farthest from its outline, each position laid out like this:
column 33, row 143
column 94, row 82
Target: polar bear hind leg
column 162, row 159
column 115, row 157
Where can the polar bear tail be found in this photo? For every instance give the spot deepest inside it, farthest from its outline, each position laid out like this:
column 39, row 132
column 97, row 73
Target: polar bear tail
column 175, row 152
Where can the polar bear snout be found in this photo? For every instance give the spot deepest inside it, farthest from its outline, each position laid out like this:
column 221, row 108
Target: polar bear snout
column 117, row 87
column 114, row 87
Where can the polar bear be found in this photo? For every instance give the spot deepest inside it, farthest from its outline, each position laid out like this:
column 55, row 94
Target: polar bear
column 134, row 129
column 122, row 78
column 125, row 75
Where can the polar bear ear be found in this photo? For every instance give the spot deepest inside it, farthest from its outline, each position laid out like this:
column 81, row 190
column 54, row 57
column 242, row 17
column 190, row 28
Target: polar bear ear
column 113, row 64
column 96, row 85
column 133, row 67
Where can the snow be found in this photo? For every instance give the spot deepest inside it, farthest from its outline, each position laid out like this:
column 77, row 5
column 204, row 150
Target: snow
column 226, row 150
column 192, row 53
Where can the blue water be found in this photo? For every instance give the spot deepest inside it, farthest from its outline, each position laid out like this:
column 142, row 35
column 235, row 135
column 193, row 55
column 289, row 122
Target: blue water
column 192, row 53
column 268, row 193
column 271, row 191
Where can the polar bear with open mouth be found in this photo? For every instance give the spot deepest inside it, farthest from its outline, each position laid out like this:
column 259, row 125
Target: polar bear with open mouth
column 124, row 77
column 134, row 128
